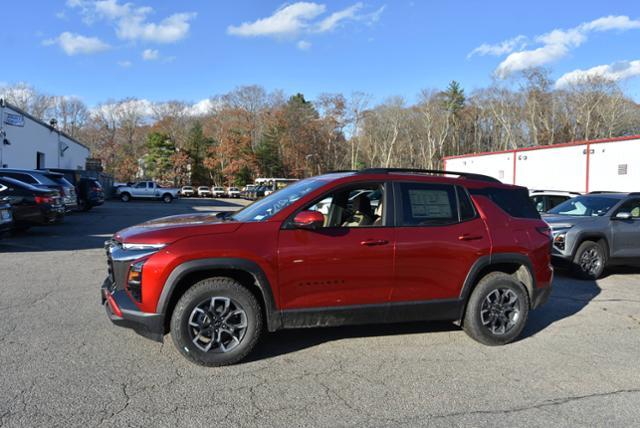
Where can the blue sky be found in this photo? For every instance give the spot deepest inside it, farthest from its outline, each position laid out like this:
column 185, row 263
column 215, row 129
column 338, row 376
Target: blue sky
column 190, row 50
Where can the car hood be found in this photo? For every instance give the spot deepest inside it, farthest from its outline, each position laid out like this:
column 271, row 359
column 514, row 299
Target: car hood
column 556, row 221
column 169, row 229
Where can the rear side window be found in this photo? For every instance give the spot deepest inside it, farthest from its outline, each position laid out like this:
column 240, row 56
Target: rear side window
column 426, row 204
column 514, row 202
column 25, row 178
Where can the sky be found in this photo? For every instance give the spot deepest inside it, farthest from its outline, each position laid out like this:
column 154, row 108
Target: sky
column 190, row 50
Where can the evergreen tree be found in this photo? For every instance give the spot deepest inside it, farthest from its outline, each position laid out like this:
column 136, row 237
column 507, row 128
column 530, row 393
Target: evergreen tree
column 160, row 149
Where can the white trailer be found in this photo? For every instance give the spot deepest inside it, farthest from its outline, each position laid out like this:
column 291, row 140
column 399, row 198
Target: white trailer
column 583, row 166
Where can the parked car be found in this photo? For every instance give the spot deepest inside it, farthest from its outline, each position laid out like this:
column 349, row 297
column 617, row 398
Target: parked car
column 204, row 192
column 89, row 191
column 233, row 192
column 218, row 192
column 593, row 231
column 90, row 194
column 246, row 190
column 6, row 215
column 544, row 200
column 47, row 180
column 187, row 191
column 465, row 248
column 147, row 190
column 32, row 205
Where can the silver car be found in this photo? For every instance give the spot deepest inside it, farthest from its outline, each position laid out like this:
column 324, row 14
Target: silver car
column 595, row 230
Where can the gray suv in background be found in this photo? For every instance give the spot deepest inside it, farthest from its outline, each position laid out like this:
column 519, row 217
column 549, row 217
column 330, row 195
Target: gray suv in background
column 595, row 230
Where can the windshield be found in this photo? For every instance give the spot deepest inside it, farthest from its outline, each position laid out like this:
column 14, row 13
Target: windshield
column 585, row 206
column 267, row 207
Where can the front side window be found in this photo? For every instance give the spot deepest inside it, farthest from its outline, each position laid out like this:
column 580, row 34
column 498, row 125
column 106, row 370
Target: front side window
column 426, row 204
column 361, row 205
column 632, row 207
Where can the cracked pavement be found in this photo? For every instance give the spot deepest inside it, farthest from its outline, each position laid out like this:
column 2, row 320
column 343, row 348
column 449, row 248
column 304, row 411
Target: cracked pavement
column 63, row 363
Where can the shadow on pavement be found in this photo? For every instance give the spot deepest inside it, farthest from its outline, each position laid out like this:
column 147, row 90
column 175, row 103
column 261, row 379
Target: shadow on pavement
column 569, row 296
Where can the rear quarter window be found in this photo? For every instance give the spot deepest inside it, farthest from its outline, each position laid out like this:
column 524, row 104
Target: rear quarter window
column 514, row 202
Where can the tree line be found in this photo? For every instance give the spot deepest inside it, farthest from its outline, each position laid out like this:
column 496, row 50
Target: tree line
column 249, row 132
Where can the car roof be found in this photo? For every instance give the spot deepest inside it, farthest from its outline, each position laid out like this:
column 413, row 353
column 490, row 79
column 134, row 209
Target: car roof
column 22, row 184
column 613, row 195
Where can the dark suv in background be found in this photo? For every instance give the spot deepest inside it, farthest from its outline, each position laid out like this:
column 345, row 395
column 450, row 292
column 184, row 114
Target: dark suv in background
column 369, row 246
column 46, row 180
column 595, row 230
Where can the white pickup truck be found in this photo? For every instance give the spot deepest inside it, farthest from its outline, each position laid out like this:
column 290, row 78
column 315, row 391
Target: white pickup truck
column 147, row 190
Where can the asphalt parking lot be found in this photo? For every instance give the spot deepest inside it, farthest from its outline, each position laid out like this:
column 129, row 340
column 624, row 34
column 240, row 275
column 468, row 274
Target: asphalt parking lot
column 63, row 363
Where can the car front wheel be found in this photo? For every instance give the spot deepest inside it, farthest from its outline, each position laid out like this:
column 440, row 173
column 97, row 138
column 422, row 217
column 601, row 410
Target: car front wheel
column 497, row 310
column 167, row 198
column 217, row 322
column 589, row 261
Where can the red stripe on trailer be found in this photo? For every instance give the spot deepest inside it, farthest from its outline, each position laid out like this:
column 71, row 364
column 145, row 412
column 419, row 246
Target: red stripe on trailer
column 588, row 162
column 515, row 153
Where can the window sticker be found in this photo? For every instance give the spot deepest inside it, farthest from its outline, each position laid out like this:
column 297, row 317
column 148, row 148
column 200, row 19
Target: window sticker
column 429, row 203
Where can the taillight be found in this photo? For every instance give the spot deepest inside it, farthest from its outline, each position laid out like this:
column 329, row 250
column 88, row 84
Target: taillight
column 44, row 200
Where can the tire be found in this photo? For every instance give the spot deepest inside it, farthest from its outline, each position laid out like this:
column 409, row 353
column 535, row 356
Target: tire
column 125, row 197
column 167, row 198
column 481, row 325
column 184, row 334
column 589, row 261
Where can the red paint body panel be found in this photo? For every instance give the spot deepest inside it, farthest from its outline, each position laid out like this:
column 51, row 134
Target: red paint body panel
column 333, row 267
column 432, row 262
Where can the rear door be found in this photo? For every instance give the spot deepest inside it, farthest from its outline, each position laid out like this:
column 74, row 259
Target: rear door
column 626, row 233
column 439, row 236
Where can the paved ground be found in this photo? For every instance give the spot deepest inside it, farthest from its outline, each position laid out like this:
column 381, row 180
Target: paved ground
column 63, row 363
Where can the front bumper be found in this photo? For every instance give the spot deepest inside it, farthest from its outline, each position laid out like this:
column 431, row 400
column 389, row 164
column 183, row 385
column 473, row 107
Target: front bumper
column 123, row 312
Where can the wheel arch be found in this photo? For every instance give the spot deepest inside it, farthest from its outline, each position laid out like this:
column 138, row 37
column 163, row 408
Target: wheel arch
column 517, row 265
column 595, row 237
column 246, row 272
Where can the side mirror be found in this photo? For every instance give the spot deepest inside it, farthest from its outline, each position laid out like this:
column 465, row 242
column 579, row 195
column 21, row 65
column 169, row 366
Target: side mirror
column 308, row 220
column 623, row 216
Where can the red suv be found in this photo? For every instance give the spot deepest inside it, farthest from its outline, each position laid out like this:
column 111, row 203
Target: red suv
column 356, row 247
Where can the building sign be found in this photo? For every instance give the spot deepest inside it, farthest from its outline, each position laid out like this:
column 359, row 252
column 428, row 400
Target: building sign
column 14, row 119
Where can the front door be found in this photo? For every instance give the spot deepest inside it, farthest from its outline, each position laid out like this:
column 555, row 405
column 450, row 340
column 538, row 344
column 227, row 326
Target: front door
column 626, row 233
column 347, row 262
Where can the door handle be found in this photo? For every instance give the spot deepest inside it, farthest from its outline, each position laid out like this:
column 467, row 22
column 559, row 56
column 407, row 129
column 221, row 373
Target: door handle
column 469, row 237
column 372, row 242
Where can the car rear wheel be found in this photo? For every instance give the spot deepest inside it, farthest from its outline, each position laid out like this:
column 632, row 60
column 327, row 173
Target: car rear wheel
column 125, row 197
column 217, row 322
column 167, row 198
column 589, row 261
column 497, row 310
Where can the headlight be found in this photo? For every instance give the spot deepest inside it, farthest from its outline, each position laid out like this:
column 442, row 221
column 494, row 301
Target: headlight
column 134, row 280
column 558, row 240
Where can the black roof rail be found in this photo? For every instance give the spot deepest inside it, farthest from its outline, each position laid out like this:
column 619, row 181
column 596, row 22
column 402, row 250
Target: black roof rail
column 598, row 192
column 469, row 175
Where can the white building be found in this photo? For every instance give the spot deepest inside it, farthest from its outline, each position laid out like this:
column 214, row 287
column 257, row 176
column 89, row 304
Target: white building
column 583, row 166
column 29, row 143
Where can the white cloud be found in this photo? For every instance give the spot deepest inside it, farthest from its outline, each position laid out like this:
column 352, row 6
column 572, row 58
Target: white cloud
column 286, row 21
column 618, row 71
column 333, row 20
column 505, row 47
column 132, row 23
column 296, row 19
column 303, row 45
column 150, row 54
column 125, row 64
column 76, row 44
column 554, row 45
column 201, row 108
